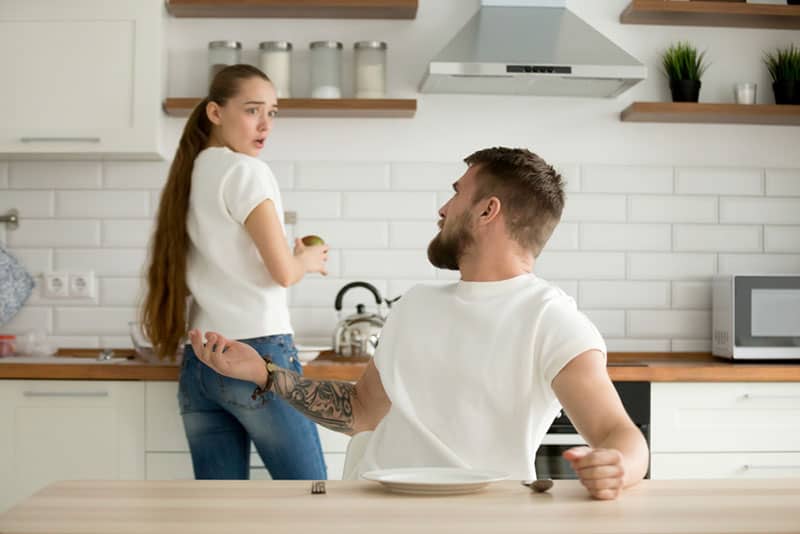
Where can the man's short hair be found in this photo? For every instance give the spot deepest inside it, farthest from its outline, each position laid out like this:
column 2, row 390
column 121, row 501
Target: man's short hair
column 531, row 192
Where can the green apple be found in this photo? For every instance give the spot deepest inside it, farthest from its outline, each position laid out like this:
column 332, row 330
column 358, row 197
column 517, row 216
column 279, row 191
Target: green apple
column 312, row 240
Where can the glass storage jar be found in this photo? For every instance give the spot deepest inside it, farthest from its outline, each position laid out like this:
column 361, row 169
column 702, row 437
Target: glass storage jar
column 326, row 69
column 275, row 62
column 221, row 54
column 370, row 66
column 7, row 345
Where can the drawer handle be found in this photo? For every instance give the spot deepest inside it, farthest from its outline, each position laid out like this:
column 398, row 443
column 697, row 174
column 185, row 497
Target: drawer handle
column 65, row 393
column 60, row 139
column 748, row 396
column 748, row 467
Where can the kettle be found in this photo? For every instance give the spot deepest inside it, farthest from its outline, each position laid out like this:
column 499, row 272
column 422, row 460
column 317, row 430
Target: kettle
column 358, row 334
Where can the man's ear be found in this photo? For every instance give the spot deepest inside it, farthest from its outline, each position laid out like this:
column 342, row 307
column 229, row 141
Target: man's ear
column 213, row 112
column 490, row 209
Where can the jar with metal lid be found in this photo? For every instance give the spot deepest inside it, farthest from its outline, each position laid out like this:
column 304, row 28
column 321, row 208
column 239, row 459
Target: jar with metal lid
column 370, row 66
column 326, row 69
column 221, row 54
column 275, row 62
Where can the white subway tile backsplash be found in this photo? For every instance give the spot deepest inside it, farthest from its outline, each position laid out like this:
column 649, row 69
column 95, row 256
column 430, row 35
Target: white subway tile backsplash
column 571, row 175
column 28, row 203
column 691, row 345
column 399, row 287
column 3, row 174
column 105, row 204
column 610, row 323
column 720, row 181
column 346, row 234
column 674, row 209
column 623, row 294
column 104, row 262
column 722, row 238
column 284, row 174
column 783, row 182
column 30, row 318
column 56, row 233
column 313, row 322
column 411, row 234
column 35, row 261
column 595, row 236
column 386, row 264
column 126, row 292
column 127, row 232
column 54, row 174
column 425, row 176
column 116, row 342
column 666, row 266
column 759, row 263
column 637, row 345
column 626, row 179
column 580, row 265
column 669, row 324
column 394, row 205
column 321, row 293
column 331, row 176
column 691, row 295
column 594, row 208
column 93, row 321
column 74, row 342
column 312, row 204
column 565, row 237
column 760, row 210
column 135, row 174
column 782, row 239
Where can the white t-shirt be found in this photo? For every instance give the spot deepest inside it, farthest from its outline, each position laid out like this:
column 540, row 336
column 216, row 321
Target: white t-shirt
column 468, row 368
column 233, row 291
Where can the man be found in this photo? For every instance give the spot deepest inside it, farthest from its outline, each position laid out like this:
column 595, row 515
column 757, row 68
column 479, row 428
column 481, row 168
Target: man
column 471, row 374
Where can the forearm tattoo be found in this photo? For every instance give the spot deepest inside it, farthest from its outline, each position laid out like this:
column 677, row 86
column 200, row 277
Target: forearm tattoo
column 327, row 402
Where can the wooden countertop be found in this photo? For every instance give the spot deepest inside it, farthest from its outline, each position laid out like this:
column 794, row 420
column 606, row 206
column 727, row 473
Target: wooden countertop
column 623, row 366
column 354, row 507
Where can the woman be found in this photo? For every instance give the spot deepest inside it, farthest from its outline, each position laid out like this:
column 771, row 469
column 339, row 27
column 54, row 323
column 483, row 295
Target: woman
column 220, row 238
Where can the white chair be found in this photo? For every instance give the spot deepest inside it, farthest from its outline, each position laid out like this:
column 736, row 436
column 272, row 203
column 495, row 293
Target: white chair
column 355, row 451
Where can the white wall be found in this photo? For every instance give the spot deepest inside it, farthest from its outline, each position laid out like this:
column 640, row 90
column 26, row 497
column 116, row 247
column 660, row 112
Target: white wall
column 653, row 210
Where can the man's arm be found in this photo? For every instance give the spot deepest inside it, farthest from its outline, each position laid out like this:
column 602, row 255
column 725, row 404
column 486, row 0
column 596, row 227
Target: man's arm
column 618, row 455
column 341, row 406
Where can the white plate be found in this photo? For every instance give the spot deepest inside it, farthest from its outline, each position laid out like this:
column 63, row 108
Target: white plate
column 434, row 480
column 306, row 353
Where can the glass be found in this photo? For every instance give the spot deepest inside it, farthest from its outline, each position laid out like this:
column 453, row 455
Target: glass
column 326, row 69
column 275, row 62
column 370, row 65
column 221, row 54
column 745, row 93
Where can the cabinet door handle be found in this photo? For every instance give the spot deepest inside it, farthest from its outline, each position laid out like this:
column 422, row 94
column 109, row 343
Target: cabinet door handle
column 748, row 466
column 65, row 393
column 60, row 139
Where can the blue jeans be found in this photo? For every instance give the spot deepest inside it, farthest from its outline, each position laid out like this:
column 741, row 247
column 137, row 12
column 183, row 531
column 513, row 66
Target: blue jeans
column 221, row 419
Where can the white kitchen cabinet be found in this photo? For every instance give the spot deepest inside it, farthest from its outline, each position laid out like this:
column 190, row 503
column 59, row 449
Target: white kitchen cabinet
column 81, row 78
column 168, row 451
column 68, row 430
column 725, row 429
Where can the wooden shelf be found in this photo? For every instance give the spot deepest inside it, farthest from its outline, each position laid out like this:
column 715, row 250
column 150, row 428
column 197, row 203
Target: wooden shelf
column 319, row 107
column 731, row 14
column 689, row 112
column 340, row 9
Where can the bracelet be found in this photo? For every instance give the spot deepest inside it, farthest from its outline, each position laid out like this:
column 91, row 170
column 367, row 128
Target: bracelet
column 259, row 391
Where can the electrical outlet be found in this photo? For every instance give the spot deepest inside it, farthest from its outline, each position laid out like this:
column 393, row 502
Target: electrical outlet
column 56, row 285
column 81, row 285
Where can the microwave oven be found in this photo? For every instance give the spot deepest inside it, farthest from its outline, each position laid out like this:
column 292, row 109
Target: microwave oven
column 756, row 317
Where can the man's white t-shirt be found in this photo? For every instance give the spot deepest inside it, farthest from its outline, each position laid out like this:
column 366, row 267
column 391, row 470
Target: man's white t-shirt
column 468, row 368
column 232, row 289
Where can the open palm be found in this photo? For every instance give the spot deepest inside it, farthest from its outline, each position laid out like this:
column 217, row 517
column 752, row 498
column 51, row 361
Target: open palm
column 228, row 357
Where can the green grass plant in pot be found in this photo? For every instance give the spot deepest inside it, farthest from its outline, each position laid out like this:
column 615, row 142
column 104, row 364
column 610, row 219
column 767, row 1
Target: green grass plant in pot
column 784, row 67
column 684, row 67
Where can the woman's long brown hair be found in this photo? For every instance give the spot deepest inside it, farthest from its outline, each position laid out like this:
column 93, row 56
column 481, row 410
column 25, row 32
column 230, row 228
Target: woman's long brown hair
column 163, row 312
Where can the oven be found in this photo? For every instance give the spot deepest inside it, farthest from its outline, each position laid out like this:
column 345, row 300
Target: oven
column 561, row 435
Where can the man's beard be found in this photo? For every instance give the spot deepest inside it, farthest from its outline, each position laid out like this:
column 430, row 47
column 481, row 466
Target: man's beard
column 444, row 252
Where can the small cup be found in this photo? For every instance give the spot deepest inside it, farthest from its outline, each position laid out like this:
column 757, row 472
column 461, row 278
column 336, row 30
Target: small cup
column 745, row 93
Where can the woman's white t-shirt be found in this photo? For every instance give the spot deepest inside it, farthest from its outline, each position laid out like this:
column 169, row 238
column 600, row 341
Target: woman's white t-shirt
column 232, row 289
column 468, row 368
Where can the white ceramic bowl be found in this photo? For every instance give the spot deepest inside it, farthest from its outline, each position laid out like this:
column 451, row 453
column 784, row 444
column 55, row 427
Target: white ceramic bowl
column 307, row 353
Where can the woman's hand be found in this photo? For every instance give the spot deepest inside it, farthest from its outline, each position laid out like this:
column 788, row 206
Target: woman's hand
column 601, row 471
column 314, row 258
column 228, row 357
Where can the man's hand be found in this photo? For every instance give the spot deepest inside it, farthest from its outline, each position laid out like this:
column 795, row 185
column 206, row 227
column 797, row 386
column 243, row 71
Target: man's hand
column 228, row 357
column 601, row 470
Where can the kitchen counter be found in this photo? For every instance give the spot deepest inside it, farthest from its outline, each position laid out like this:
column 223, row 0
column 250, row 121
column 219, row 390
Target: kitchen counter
column 79, row 364
column 155, row 507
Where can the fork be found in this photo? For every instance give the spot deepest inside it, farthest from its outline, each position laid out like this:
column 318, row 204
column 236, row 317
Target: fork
column 318, row 487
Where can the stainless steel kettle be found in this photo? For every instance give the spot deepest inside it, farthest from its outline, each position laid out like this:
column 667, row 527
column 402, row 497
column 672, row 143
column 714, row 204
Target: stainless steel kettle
column 358, row 334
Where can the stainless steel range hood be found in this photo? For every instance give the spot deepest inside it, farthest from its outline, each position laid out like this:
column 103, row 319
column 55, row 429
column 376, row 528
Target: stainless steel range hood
column 531, row 47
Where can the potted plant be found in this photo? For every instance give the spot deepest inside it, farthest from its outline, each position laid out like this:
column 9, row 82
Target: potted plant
column 684, row 67
column 784, row 68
